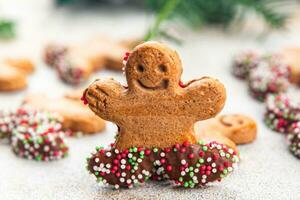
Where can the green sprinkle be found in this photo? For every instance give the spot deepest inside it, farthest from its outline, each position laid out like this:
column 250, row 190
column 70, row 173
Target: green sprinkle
column 191, row 168
column 135, row 149
column 198, row 165
column 204, row 148
column 186, row 184
column 142, row 153
column 180, row 179
column 227, row 155
column 155, row 150
column 96, row 173
column 100, row 179
column 225, row 171
column 201, row 160
column 191, row 174
column 201, row 142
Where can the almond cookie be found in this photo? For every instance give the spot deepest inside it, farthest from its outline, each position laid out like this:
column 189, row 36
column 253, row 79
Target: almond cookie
column 154, row 103
column 11, row 79
column 240, row 129
column 76, row 116
column 75, row 64
column 155, row 115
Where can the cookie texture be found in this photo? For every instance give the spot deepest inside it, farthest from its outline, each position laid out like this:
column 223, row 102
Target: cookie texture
column 74, row 64
column 76, row 116
column 11, row 79
column 291, row 56
column 155, row 111
column 23, row 64
column 238, row 128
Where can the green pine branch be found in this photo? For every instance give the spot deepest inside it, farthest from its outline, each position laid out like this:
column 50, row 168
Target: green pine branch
column 7, row 29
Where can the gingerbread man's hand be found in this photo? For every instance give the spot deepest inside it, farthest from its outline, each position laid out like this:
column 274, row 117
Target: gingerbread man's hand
column 206, row 98
column 103, row 97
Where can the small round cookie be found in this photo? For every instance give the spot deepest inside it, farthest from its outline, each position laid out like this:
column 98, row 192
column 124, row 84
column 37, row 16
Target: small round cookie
column 23, row 64
column 11, row 79
column 243, row 63
column 294, row 143
column 37, row 136
column 282, row 111
column 269, row 77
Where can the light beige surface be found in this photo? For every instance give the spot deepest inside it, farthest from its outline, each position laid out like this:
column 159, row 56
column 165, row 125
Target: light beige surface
column 267, row 169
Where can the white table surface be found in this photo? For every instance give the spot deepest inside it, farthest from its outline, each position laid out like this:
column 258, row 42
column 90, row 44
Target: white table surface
column 267, row 169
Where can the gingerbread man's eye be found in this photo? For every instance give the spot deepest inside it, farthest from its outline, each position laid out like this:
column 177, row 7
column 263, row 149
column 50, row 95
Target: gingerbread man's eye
column 140, row 68
column 162, row 68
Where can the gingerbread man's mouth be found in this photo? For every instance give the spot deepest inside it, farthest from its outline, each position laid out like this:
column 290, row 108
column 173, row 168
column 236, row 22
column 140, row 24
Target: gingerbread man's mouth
column 163, row 85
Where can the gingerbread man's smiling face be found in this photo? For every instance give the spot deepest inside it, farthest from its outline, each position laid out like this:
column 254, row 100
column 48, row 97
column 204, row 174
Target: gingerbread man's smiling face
column 153, row 68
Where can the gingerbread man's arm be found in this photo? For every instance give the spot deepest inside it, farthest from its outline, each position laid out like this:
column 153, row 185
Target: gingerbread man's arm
column 104, row 97
column 203, row 99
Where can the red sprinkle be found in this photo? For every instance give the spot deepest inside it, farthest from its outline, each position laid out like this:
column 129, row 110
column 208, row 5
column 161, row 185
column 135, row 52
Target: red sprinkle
column 83, row 98
column 169, row 168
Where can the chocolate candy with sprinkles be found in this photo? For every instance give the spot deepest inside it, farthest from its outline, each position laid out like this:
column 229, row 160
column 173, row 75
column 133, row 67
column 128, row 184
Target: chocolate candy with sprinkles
column 192, row 165
column 270, row 77
column 121, row 168
column 294, row 143
column 243, row 63
column 282, row 112
column 34, row 135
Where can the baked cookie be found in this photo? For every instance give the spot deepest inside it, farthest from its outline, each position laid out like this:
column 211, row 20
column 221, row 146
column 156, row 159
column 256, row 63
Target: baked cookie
column 76, row 117
column 75, row 64
column 271, row 76
column 292, row 57
column 23, row 64
column 11, row 79
column 282, row 111
column 155, row 115
column 240, row 129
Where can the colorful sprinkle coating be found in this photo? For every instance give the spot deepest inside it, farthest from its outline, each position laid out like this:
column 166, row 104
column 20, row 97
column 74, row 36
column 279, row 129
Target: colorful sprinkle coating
column 187, row 165
column 67, row 71
column 53, row 52
column 294, row 143
column 269, row 77
column 34, row 135
column 282, row 112
column 243, row 63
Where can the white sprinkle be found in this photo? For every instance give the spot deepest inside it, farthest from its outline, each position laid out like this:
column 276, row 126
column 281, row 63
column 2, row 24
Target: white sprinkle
column 183, row 162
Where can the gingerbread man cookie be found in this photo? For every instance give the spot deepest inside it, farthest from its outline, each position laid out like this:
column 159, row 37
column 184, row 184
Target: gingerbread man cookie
column 155, row 115
column 154, row 111
column 76, row 117
column 76, row 63
column 14, row 73
column 239, row 128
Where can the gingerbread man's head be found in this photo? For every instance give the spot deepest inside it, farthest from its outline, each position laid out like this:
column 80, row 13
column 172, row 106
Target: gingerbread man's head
column 153, row 68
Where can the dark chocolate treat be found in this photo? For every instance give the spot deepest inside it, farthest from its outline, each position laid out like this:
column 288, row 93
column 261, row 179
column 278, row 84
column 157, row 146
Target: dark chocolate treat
column 294, row 143
column 243, row 63
column 53, row 52
column 187, row 165
column 269, row 77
